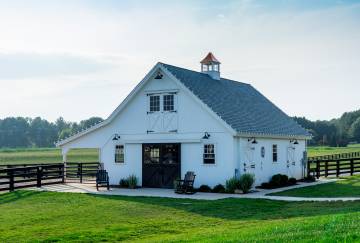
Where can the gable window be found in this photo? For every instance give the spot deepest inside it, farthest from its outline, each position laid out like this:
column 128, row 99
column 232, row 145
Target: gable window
column 168, row 101
column 275, row 153
column 154, row 103
column 119, row 154
column 209, row 154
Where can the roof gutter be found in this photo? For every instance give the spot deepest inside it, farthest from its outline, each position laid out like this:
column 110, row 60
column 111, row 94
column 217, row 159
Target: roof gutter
column 267, row 135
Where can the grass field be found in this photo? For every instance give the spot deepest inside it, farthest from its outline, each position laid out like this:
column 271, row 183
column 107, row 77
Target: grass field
column 49, row 155
column 46, row 155
column 65, row 217
column 325, row 150
column 348, row 187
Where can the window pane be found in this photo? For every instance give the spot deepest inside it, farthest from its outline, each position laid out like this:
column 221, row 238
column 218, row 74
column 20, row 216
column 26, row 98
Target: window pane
column 168, row 102
column 274, row 153
column 119, row 154
column 209, row 154
column 154, row 103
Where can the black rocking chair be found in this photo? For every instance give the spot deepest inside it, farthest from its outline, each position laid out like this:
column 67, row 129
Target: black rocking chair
column 186, row 185
column 102, row 178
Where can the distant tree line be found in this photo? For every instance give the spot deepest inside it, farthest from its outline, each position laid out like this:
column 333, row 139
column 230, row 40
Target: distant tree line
column 27, row 132
column 23, row 132
column 336, row 132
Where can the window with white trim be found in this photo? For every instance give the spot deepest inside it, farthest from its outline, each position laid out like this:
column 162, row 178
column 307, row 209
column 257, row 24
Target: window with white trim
column 209, row 154
column 168, row 101
column 275, row 152
column 119, row 154
column 154, row 103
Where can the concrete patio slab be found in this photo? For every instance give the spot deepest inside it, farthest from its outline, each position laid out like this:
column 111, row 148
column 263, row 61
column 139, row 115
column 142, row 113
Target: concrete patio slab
column 169, row 193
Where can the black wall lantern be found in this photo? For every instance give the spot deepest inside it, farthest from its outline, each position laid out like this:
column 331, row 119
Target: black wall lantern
column 252, row 140
column 116, row 137
column 294, row 141
column 206, row 135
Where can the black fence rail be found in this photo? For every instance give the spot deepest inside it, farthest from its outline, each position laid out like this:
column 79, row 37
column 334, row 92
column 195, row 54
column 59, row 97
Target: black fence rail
column 333, row 167
column 81, row 171
column 17, row 176
column 31, row 175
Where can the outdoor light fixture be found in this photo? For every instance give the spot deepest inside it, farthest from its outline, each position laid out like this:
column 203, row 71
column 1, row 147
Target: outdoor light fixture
column 206, row 136
column 159, row 75
column 116, row 137
column 294, row 141
column 252, row 140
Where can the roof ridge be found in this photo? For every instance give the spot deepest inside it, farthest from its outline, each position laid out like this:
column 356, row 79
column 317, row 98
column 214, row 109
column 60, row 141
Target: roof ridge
column 190, row 70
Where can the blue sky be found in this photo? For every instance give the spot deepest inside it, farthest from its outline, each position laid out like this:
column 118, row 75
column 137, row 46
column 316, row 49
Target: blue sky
column 80, row 58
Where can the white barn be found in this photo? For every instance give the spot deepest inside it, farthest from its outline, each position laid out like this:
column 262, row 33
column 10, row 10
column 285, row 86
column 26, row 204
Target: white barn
column 177, row 120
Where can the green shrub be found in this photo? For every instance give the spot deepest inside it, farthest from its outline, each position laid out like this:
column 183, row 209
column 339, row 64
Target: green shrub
column 265, row 185
column 292, row 181
column 132, row 180
column 278, row 180
column 124, row 183
column 218, row 188
column 310, row 178
column 204, row 188
column 284, row 180
column 246, row 181
column 231, row 185
column 176, row 182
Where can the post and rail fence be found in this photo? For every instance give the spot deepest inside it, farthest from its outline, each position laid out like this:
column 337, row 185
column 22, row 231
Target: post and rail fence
column 36, row 175
column 334, row 165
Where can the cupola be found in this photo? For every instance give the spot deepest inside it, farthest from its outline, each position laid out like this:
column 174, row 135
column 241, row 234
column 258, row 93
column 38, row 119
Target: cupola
column 211, row 66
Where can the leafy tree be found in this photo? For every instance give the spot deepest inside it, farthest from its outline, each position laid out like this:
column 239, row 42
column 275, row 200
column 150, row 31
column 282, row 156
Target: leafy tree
column 355, row 129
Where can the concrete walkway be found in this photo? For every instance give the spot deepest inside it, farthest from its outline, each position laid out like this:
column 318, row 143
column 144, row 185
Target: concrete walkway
column 169, row 193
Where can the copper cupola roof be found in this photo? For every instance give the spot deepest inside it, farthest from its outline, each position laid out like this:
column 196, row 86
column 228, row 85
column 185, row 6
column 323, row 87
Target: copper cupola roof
column 210, row 58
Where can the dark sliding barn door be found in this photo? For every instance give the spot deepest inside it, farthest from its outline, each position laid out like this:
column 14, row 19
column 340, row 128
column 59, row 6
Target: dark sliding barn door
column 161, row 164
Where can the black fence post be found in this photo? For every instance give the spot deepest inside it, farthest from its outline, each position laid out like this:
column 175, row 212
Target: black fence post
column 38, row 176
column 81, row 174
column 326, row 169
column 308, row 168
column 11, row 180
column 337, row 168
column 318, row 169
column 62, row 169
column 351, row 166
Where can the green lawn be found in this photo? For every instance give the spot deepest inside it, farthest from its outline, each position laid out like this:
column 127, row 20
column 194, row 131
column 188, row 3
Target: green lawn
column 65, row 217
column 348, row 187
column 45, row 155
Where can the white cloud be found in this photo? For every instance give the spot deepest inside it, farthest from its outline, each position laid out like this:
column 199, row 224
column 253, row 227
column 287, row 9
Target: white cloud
column 96, row 55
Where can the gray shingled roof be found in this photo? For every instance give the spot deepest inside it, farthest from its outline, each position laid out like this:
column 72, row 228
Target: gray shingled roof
column 238, row 104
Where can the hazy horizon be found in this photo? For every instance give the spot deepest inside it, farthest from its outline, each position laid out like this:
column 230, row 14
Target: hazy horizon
column 80, row 58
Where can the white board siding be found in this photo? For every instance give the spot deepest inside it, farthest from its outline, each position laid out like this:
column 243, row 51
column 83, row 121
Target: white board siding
column 192, row 120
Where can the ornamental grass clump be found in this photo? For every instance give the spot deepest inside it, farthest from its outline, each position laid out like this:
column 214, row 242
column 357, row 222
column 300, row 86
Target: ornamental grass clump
column 246, row 181
column 132, row 181
column 231, row 185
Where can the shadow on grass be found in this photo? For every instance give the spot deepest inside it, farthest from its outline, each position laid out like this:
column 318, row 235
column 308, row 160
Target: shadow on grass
column 245, row 209
column 9, row 197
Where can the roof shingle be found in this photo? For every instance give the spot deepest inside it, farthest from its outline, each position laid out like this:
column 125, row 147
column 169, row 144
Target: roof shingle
column 240, row 105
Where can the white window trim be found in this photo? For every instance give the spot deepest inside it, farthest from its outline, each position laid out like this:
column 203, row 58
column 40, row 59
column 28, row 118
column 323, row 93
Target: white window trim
column 124, row 146
column 202, row 153
column 161, row 100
